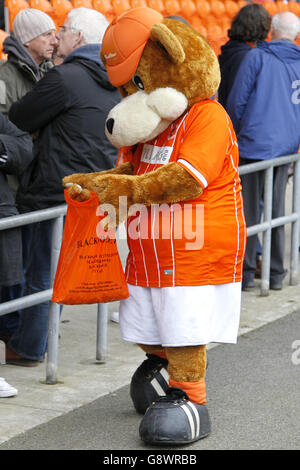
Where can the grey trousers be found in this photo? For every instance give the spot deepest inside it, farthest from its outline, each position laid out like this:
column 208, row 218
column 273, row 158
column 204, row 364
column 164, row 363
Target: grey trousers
column 252, row 187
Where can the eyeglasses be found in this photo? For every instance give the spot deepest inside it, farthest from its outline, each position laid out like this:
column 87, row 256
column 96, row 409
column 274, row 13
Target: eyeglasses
column 63, row 29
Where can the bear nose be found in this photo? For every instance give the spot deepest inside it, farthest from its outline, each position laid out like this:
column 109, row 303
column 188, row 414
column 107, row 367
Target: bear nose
column 110, row 125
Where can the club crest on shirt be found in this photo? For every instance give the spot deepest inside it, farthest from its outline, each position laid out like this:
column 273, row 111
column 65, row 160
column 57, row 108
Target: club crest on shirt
column 156, row 155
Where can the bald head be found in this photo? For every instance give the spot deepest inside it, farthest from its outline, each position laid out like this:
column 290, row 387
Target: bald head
column 285, row 25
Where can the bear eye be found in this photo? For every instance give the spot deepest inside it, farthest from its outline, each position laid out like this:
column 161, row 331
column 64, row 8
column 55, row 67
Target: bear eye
column 138, row 82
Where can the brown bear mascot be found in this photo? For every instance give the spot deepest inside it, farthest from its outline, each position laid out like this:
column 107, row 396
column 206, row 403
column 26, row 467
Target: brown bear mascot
column 177, row 186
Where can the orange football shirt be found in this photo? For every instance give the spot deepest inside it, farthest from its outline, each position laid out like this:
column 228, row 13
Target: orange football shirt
column 200, row 241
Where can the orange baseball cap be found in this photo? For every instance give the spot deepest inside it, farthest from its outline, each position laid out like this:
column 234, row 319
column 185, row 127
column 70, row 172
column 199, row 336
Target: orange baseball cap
column 124, row 41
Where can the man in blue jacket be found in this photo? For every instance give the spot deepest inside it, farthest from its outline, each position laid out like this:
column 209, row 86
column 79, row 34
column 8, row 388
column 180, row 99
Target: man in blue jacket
column 66, row 111
column 264, row 105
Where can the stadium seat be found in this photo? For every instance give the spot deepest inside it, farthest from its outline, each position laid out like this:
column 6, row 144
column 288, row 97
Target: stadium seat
column 282, row 6
column 138, row 3
column 43, row 5
column 172, row 7
column 82, row 3
column 271, row 7
column 105, row 7
column 217, row 8
column 61, row 9
column 14, row 7
column 231, row 8
column 188, row 9
column 120, row 6
column 156, row 5
column 242, row 3
column 203, row 8
column 3, row 35
column 294, row 7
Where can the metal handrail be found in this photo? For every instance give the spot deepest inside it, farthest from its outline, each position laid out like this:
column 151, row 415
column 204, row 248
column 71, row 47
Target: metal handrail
column 57, row 213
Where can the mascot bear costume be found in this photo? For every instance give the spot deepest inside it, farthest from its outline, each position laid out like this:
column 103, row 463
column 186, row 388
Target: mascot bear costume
column 177, row 186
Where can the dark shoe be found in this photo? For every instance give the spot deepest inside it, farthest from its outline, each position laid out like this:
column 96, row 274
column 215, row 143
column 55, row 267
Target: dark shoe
column 149, row 382
column 15, row 359
column 248, row 286
column 258, row 269
column 276, row 285
column 174, row 420
column 4, row 338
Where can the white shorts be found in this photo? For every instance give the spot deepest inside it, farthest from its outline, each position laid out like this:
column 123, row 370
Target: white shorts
column 181, row 316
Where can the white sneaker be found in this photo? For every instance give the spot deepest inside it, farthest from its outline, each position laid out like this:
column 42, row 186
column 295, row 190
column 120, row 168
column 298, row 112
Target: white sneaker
column 114, row 317
column 6, row 390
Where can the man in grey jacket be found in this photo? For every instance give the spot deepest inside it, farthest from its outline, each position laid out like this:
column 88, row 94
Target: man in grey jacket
column 29, row 48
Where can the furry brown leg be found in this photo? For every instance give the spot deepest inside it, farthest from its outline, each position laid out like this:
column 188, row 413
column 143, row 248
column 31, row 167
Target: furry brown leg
column 186, row 368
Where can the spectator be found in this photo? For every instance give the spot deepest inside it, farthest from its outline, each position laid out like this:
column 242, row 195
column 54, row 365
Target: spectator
column 250, row 25
column 266, row 115
column 68, row 107
column 29, row 49
column 15, row 155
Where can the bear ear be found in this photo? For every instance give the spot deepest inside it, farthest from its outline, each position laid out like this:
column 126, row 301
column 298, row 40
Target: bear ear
column 161, row 33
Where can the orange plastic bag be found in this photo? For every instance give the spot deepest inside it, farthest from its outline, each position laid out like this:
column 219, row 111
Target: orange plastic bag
column 89, row 268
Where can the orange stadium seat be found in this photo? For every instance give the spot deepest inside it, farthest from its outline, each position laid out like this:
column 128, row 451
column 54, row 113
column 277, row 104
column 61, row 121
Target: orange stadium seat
column 225, row 24
column 3, row 35
column 294, row 7
column 217, row 8
column 82, row 3
column 120, row 6
column 231, row 8
column 105, row 7
column 188, row 9
column 61, row 9
column 271, row 7
column 282, row 6
column 203, row 8
column 14, row 7
column 242, row 3
column 138, row 3
column 196, row 23
column 156, row 5
column 172, row 7
column 43, row 5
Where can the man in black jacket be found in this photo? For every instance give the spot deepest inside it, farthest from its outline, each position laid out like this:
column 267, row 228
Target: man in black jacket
column 67, row 109
column 15, row 155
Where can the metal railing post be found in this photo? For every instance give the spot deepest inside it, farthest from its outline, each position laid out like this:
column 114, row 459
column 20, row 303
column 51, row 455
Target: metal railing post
column 6, row 19
column 101, row 347
column 54, row 309
column 294, row 255
column 266, row 252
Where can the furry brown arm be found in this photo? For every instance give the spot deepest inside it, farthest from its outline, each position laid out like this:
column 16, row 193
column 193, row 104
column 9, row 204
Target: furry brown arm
column 83, row 178
column 168, row 184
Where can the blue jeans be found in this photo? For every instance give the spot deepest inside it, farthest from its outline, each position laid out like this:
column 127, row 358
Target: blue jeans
column 30, row 340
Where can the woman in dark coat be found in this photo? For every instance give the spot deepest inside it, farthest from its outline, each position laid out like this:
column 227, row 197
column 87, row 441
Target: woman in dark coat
column 15, row 156
column 250, row 25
